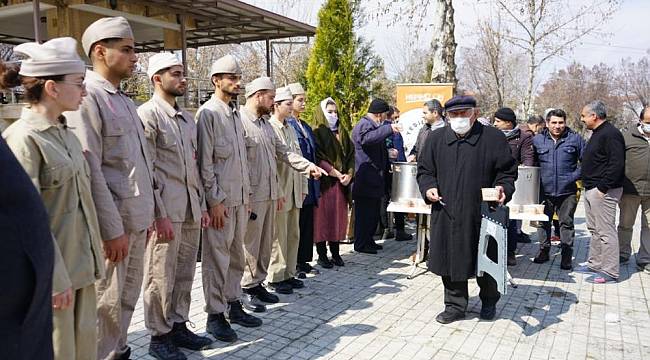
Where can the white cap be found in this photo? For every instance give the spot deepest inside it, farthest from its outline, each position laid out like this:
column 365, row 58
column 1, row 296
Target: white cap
column 225, row 65
column 55, row 57
column 261, row 83
column 106, row 28
column 282, row 94
column 296, row 89
column 162, row 61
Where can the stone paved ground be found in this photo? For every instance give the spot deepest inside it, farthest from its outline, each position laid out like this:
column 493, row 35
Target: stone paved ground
column 370, row 310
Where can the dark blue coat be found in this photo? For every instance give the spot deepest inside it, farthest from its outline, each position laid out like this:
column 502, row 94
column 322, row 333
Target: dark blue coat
column 396, row 141
column 308, row 149
column 559, row 162
column 370, row 158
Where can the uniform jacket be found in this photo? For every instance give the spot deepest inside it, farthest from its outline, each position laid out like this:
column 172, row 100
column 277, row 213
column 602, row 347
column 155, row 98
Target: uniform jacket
column 112, row 137
column 294, row 186
column 459, row 168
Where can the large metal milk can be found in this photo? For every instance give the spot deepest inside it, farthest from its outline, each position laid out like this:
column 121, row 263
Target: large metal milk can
column 526, row 186
column 405, row 186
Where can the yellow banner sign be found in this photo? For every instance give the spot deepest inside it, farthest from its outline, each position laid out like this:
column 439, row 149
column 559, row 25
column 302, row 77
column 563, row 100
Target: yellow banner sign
column 412, row 96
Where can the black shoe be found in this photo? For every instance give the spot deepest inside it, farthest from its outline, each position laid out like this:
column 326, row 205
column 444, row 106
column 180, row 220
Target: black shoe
column 161, row 348
column 512, row 258
column 237, row 315
column 542, row 257
column 338, row 261
column 301, row 275
column 126, row 355
column 304, row 267
column 402, row 235
column 376, row 246
column 524, row 238
column 567, row 258
column 182, row 337
column 388, row 234
column 366, row 250
column 252, row 303
column 219, row 327
column 488, row 312
column 324, row 263
column 449, row 316
column 262, row 294
column 281, row 288
column 295, row 283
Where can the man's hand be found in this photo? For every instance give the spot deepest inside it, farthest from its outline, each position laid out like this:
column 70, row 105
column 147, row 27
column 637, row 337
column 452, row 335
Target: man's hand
column 396, row 127
column 280, row 204
column 62, row 300
column 316, row 172
column 502, row 194
column 164, row 230
column 345, row 179
column 205, row 219
column 410, row 158
column 218, row 216
column 432, row 195
column 116, row 249
column 393, row 153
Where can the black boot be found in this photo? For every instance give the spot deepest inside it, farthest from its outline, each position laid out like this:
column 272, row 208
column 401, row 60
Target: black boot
column 512, row 258
column 181, row 336
column 402, row 235
column 261, row 293
column 567, row 258
column 336, row 257
column 219, row 327
column 126, row 355
column 449, row 316
column 237, row 315
column 321, row 249
column 542, row 257
column 161, row 348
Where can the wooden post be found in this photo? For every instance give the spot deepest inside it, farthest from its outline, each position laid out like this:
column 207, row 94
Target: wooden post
column 36, row 18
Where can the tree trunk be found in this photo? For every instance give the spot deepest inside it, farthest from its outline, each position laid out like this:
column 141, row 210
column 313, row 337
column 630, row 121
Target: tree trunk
column 443, row 44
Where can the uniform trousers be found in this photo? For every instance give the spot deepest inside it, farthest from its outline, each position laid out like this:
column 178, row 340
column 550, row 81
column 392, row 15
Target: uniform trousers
column 117, row 295
column 169, row 274
column 75, row 328
column 284, row 254
column 258, row 242
column 222, row 261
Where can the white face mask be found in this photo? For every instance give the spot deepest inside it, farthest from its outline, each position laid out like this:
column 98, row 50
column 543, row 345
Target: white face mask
column 645, row 128
column 460, row 125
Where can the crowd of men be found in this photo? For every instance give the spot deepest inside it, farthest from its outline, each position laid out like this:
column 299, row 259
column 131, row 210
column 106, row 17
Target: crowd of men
column 130, row 191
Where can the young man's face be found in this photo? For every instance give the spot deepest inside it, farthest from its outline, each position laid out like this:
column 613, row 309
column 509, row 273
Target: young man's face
column 118, row 56
column 556, row 125
column 229, row 84
column 172, row 81
column 299, row 103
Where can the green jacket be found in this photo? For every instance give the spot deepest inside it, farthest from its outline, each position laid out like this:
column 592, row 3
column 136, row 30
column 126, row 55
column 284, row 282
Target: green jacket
column 637, row 162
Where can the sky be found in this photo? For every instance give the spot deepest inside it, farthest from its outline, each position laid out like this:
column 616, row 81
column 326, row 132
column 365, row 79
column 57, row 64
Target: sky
column 626, row 34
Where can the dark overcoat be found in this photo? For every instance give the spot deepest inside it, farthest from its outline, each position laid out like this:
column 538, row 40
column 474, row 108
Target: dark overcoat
column 26, row 264
column 459, row 168
column 370, row 158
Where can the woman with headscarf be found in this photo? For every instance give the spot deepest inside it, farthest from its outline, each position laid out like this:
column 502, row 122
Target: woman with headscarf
column 335, row 154
column 53, row 79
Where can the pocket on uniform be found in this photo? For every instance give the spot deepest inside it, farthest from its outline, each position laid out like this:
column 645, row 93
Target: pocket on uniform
column 222, row 148
column 166, row 140
column 56, row 175
column 115, row 144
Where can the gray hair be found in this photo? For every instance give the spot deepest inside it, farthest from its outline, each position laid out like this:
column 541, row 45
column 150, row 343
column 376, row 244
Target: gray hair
column 598, row 107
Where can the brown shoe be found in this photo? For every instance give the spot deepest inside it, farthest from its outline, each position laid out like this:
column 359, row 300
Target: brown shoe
column 542, row 256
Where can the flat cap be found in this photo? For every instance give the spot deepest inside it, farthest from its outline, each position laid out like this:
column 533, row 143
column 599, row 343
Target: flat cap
column 225, row 65
column 506, row 114
column 105, row 28
column 296, row 89
column 462, row 102
column 378, row 106
column 261, row 83
column 55, row 57
column 162, row 61
column 282, row 94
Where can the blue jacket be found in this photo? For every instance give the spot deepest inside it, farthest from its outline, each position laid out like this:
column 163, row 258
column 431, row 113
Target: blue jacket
column 396, row 141
column 559, row 162
column 370, row 158
column 308, row 149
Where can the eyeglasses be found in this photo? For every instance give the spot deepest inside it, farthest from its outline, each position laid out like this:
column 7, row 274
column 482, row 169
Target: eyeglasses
column 80, row 85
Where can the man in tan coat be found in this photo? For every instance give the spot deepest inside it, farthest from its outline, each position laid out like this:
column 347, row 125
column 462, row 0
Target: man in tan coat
column 263, row 147
column 224, row 171
column 113, row 141
column 170, row 257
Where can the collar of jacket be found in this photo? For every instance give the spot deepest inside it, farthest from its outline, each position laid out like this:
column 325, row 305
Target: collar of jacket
column 471, row 137
column 231, row 106
column 93, row 77
column 37, row 121
column 166, row 107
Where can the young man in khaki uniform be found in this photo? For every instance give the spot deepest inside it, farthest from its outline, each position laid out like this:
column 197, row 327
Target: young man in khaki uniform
column 224, row 171
column 170, row 258
column 263, row 148
column 113, row 141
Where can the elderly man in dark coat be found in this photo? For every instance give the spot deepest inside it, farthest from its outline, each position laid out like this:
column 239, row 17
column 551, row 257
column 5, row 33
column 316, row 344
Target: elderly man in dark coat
column 370, row 169
column 453, row 166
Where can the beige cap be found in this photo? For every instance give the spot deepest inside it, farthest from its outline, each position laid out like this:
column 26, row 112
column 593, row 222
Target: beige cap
column 282, row 94
column 106, row 28
column 55, row 57
column 225, row 65
column 296, row 89
column 162, row 61
column 261, row 83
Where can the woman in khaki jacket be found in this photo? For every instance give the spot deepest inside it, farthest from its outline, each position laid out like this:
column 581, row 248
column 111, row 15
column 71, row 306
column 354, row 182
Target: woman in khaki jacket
column 52, row 76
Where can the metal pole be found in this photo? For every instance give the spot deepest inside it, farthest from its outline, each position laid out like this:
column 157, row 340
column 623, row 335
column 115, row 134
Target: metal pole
column 268, row 58
column 184, row 55
column 36, row 18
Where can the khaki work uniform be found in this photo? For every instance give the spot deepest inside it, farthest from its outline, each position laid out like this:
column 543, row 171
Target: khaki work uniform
column 294, row 188
column 263, row 146
column 224, row 172
column 53, row 159
column 113, row 140
column 170, row 266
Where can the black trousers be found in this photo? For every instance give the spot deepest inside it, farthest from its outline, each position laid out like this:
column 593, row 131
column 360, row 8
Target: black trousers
column 366, row 218
column 457, row 295
column 306, row 244
column 565, row 207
